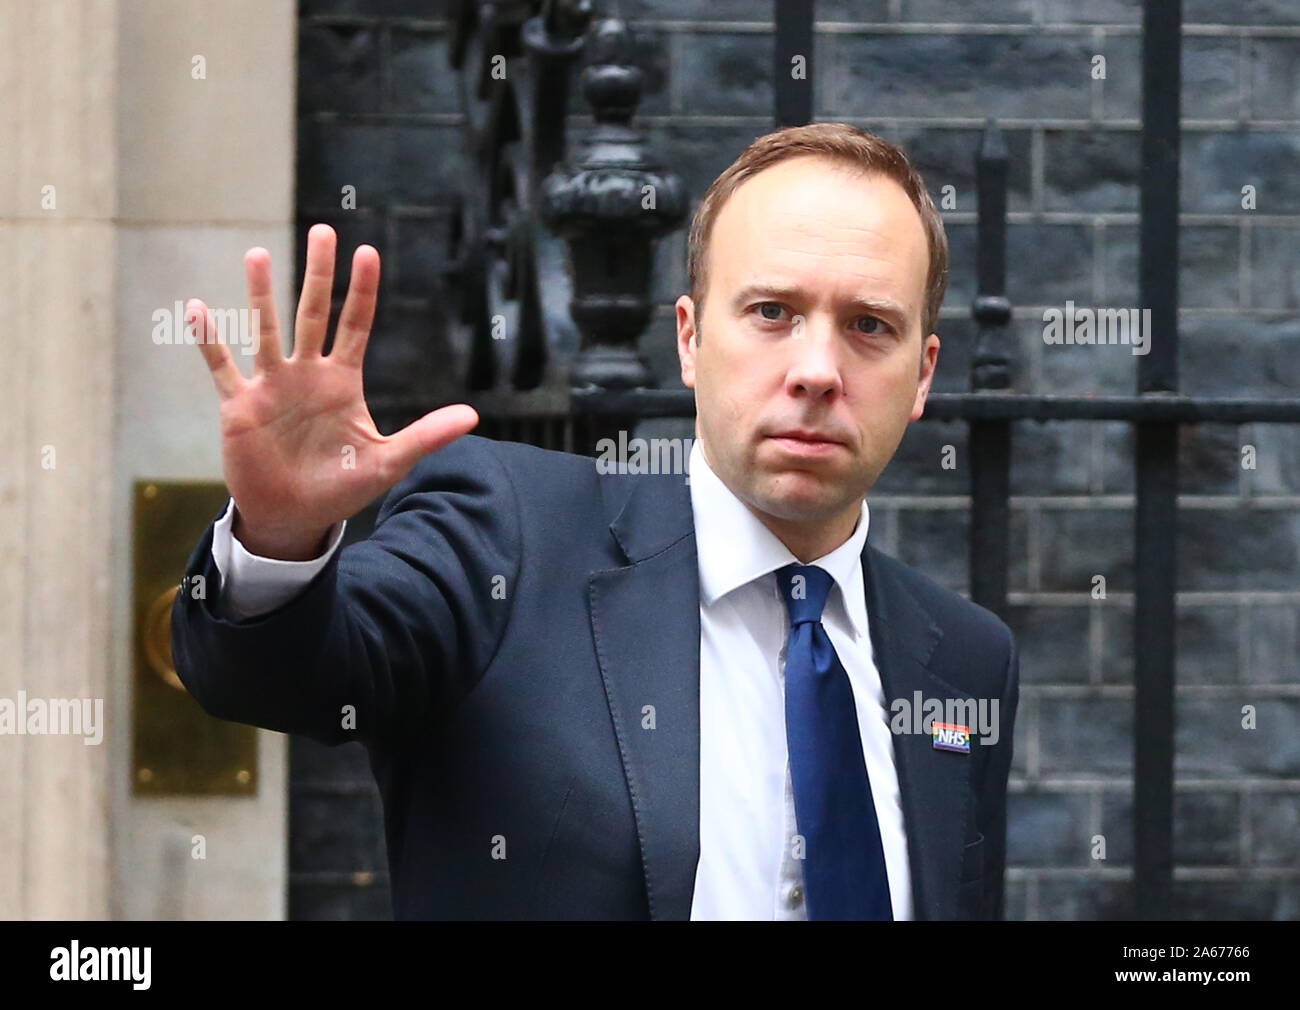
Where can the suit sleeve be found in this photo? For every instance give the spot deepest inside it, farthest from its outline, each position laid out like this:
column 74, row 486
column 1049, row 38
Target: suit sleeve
column 391, row 634
column 994, row 798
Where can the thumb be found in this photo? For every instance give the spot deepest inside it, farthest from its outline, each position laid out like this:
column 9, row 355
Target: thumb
column 427, row 435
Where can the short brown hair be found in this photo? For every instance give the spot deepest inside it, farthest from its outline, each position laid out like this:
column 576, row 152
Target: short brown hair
column 838, row 142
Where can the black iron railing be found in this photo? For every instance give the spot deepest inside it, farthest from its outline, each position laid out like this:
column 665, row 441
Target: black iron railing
column 608, row 388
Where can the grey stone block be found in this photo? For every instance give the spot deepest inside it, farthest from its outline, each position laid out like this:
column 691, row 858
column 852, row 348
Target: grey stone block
column 1084, row 899
column 1018, row 548
column 1244, row 12
column 1080, row 543
column 1206, row 639
column 961, row 266
column 1235, row 356
column 669, row 280
column 1120, row 266
column 1211, row 78
column 946, row 157
column 1015, row 900
column 1211, row 742
column 1275, row 829
column 984, row 12
column 1087, row 369
column 1117, row 642
column 430, row 164
column 1206, row 828
column 917, row 466
column 853, row 11
column 1208, row 267
column 1273, row 655
column 1115, row 12
column 730, row 75
column 1043, row 75
column 1095, row 170
column 1209, row 261
column 1053, row 643
column 1050, row 457
column 658, row 344
column 1085, row 736
column 1121, row 91
column 696, row 152
column 935, row 541
column 1209, row 459
column 423, row 79
column 343, row 153
column 1049, row 263
column 1116, row 470
column 1215, row 167
column 423, row 244
column 1048, row 829
column 1238, row 550
column 408, row 354
column 1219, row 900
column 1275, row 78
column 956, row 346
column 1277, row 458
column 1274, row 267
column 344, row 62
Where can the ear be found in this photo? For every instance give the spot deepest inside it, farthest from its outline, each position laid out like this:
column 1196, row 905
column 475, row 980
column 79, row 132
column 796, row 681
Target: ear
column 686, row 343
column 929, row 359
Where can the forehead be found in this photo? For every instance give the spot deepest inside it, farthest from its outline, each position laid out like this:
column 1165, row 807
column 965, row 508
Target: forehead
column 824, row 226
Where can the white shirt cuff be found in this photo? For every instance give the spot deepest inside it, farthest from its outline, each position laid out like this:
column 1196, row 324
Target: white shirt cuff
column 253, row 585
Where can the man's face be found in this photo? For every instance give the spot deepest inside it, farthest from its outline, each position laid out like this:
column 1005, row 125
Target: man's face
column 812, row 325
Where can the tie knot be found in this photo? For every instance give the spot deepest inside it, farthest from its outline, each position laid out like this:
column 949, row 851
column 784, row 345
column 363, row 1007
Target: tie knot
column 804, row 589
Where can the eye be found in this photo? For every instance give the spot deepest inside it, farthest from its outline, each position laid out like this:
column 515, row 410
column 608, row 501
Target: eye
column 879, row 325
column 775, row 305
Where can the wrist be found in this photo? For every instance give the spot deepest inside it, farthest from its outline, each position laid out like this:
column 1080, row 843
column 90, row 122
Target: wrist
column 281, row 544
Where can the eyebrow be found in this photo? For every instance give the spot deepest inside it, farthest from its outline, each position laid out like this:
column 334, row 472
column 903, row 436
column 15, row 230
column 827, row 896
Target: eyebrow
column 763, row 292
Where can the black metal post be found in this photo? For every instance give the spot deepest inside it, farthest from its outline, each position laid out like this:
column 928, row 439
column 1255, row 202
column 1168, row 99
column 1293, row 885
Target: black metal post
column 793, row 81
column 1157, row 466
column 990, row 440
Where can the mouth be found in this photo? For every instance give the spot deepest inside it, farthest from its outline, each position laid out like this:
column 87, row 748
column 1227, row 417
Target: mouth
column 806, row 443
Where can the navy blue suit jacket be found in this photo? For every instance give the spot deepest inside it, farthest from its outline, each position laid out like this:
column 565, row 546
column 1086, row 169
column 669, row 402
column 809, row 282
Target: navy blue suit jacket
column 498, row 637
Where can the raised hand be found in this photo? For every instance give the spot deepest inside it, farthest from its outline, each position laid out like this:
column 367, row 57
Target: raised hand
column 298, row 444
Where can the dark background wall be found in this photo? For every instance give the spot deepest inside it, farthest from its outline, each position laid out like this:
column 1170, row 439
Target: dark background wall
column 380, row 110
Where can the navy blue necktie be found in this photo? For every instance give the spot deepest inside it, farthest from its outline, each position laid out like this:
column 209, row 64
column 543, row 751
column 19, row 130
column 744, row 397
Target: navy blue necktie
column 844, row 860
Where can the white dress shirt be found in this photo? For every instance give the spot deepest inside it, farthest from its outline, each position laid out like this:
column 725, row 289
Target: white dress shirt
column 746, row 869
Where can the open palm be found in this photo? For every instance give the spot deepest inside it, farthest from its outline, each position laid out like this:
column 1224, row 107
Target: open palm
column 299, row 447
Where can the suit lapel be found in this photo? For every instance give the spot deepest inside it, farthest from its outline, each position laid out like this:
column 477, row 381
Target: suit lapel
column 645, row 621
column 934, row 784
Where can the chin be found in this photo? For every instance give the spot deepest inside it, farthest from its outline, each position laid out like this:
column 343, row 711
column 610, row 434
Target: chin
column 806, row 502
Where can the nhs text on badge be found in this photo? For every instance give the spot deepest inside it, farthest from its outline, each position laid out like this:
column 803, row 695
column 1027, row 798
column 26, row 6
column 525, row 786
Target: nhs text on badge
column 951, row 736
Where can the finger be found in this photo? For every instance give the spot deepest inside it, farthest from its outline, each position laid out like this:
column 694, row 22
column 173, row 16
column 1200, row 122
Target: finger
column 221, row 364
column 429, row 434
column 313, row 316
column 261, row 298
column 358, row 313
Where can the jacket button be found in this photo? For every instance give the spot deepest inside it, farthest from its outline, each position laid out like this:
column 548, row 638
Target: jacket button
column 796, row 896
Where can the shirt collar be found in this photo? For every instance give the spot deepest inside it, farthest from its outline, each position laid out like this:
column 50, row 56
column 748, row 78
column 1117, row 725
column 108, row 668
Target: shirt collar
column 735, row 548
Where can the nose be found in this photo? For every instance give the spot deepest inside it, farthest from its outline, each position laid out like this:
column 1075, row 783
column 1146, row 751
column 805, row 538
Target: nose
column 814, row 366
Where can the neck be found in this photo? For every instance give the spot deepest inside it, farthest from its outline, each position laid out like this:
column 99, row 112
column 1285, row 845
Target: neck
column 810, row 541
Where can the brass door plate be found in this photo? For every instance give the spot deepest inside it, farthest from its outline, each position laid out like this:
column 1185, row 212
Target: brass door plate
column 177, row 748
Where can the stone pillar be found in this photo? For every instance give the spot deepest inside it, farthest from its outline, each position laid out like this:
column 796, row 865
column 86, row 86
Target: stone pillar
column 162, row 174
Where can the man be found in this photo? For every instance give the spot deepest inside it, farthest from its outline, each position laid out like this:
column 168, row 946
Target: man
column 595, row 695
